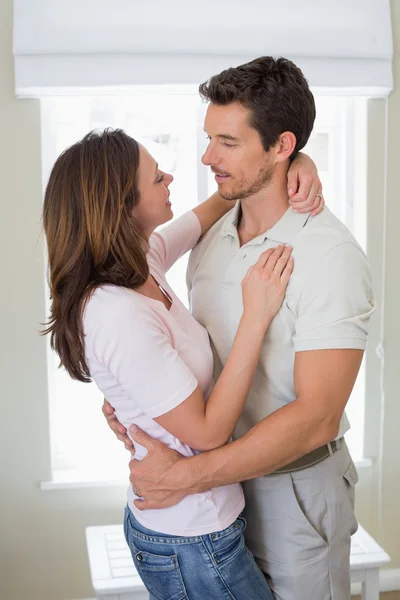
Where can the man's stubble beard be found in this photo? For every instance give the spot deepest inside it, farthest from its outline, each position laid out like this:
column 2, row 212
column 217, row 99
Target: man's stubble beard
column 248, row 189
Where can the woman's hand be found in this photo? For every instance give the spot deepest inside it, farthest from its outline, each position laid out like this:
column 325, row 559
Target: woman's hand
column 116, row 427
column 264, row 286
column 304, row 186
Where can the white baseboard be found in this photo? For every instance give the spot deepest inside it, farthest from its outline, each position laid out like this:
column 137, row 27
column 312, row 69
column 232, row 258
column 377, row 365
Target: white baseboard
column 389, row 581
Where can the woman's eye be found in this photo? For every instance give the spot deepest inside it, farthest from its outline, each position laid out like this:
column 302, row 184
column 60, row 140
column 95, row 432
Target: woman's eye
column 160, row 179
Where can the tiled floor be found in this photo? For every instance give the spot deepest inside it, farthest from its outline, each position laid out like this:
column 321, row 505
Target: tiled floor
column 386, row 596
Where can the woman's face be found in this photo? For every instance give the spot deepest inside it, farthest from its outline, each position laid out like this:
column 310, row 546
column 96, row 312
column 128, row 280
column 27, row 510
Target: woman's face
column 154, row 207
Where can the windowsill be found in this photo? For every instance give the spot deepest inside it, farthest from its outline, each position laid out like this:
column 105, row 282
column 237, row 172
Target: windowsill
column 65, row 481
column 76, row 480
column 52, row 486
column 364, row 463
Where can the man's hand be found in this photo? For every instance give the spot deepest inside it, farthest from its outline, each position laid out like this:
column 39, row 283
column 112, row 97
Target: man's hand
column 117, row 428
column 161, row 477
column 304, row 186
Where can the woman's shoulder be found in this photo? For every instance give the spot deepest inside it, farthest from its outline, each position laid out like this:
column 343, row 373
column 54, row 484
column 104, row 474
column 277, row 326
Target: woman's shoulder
column 112, row 304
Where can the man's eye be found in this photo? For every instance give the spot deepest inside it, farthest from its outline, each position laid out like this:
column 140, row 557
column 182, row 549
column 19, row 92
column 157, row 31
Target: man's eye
column 228, row 145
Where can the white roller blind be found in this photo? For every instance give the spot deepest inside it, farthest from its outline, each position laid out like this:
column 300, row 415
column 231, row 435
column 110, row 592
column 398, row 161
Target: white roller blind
column 61, row 44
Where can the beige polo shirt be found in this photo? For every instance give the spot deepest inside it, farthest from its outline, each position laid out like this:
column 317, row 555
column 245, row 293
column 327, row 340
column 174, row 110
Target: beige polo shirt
column 328, row 304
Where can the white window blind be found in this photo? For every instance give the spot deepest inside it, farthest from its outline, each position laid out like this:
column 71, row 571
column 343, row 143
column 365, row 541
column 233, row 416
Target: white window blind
column 65, row 45
column 169, row 124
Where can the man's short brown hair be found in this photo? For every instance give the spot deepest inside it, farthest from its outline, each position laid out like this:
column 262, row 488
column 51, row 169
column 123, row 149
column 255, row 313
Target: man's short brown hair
column 276, row 93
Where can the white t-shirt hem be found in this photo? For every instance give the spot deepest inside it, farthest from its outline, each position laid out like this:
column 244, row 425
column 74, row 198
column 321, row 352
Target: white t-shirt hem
column 212, row 527
column 175, row 401
column 330, row 344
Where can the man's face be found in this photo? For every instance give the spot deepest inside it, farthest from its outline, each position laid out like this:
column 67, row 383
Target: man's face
column 235, row 153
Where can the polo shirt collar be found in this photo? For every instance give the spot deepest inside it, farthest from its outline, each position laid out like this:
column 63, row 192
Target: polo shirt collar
column 283, row 232
column 229, row 226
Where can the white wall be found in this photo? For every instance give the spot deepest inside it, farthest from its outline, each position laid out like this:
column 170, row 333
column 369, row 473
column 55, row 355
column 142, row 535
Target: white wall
column 391, row 463
column 381, row 172
column 42, row 548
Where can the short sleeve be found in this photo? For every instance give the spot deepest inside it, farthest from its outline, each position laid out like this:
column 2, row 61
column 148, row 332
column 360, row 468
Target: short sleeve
column 136, row 349
column 336, row 303
column 174, row 240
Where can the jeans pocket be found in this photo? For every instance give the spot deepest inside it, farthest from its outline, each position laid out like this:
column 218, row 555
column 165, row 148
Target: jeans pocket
column 225, row 547
column 160, row 574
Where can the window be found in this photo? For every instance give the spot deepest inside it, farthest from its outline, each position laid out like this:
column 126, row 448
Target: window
column 168, row 121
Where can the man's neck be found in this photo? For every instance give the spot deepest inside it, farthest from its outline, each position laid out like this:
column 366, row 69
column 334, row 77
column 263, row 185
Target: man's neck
column 261, row 211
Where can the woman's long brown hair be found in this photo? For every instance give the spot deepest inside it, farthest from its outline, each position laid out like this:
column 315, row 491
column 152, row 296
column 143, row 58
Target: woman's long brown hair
column 92, row 237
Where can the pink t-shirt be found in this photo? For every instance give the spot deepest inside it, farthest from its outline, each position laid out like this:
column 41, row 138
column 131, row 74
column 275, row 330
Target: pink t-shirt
column 146, row 360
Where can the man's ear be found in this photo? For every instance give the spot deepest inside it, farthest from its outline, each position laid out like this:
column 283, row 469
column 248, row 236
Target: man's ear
column 285, row 146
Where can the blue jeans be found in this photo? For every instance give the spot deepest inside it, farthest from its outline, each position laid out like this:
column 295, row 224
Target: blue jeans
column 216, row 566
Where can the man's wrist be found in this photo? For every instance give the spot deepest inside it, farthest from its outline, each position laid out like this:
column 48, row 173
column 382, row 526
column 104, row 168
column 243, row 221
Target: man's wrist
column 304, row 159
column 187, row 474
column 204, row 471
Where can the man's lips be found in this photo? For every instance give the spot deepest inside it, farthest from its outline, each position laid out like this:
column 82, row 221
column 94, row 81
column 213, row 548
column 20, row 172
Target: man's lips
column 220, row 174
column 221, row 177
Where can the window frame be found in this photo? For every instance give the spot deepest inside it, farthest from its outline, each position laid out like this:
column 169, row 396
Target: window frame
column 375, row 169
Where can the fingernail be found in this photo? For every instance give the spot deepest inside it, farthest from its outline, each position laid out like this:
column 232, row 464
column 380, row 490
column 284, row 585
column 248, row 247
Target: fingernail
column 295, row 210
column 291, row 190
column 133, row 429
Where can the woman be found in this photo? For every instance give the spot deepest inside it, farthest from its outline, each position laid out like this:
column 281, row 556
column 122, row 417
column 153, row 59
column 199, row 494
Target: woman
column 115, row 319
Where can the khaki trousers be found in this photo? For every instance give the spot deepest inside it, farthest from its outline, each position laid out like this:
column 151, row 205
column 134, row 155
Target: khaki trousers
column 299, row 528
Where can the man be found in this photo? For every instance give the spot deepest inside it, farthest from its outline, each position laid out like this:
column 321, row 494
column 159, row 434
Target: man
column 289, row 447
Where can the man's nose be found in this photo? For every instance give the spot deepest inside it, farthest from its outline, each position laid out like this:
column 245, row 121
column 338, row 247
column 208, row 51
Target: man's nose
column 209, row 157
